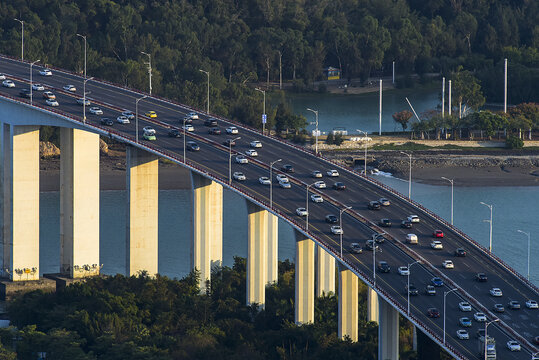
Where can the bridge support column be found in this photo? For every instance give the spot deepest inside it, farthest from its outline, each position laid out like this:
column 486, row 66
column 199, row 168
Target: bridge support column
column 325, row 269
column 21, row 201
column 372, row 305
column 304, row 287
column 142, row 198
column 257, row 254
column 348, row 304
column 273, row 248
column 79, row 203
column 207, row 246
column 388, row 332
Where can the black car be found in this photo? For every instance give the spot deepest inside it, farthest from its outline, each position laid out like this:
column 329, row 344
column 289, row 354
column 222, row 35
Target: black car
column 406, row 224
column 412, row 290
column 460, row 252
column 379, row 238
column 513, row 305
column 369, row 245
column 332, row 219
column 433, row 313
column 192, row 146
column 430, row 290
column 339, row 186
column 384, row 222
column 174, row 133
column 214, row 131
column 374, row 205
column 229, row 142
column 384, row 267
column 287, row 168
column 187, row 120
column 481, row 277
column 25, row 93
column 107, row 122
column 499, row 308
column 210, row 122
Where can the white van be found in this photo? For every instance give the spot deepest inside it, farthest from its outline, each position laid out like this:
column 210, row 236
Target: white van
column 411, row 238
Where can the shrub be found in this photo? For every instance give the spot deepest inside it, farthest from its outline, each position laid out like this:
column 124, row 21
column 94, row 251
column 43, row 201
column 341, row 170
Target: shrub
column 514, row 142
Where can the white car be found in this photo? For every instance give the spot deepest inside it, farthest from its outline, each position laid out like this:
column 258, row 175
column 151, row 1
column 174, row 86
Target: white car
column 96, row 111
column 239, row 176
column 320, row 185
column 496, row 292
column 128, row 114
column 384, row 202
column 285, row 185
column 240, row 159
column 45, row 72
column 256, row 144
column 437, row 245
column 465, row 306
column 336, row 229
column 251, row 152
column 264, row 180
column 448, row 264
column 332, row 173
column 513, row 345
column 52, row 102
column 71, row 88
column 316, row 174
column 532, row 304
column 2, row 76
column 413, row 218
column 81, row 101
column 231, row 130
column 8, row 83
column 38, row 87
column 282, row 178
column 317, row 198
column 463, row 334
column 149, row 129
column 122, row 119
column 193, row 115
column 301, row 211
column 403, row 270
column 49, row 95
column 188, row 127
column 480, row 317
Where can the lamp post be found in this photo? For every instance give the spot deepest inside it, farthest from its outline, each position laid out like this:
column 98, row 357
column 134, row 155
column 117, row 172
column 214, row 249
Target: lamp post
column 22, row 38
column 307, row 207
column 365, row 141
column 271, row 181
column 208, row 91
column 528, row 235
column 229, row 157
column 136, row 116
column 31, row 94
column 485, row 342
column 408, row 288
column 340, row 223
column 451, row 181
column 149, row 63
column 263, row 111
column 184, row 133
column 490, row 223
column 445, row 294
column 84, row 37
column 84, row 99
column 409, row 175
column 316, row 130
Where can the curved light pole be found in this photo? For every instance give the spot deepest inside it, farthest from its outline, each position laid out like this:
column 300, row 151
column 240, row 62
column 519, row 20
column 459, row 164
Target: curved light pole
column 31, row 94
column 445, row 294
column 307, row 207
column 264, row 118
column 136, row 116
column 451, row 181
column 271, row 181
column 528, row 235
column 229, row 157
column 409, row 175
column 208, row 91
column 485, row 341
column 490, row 223
column 149, row 63
column 84, row 99
column 408, row 289
column 365, row 141
column 84, row 37
column 22, row 38
column 340, row 223
column 316, row 130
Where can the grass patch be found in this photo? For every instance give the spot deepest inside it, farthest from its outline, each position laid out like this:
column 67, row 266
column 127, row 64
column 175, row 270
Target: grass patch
column 407, row 146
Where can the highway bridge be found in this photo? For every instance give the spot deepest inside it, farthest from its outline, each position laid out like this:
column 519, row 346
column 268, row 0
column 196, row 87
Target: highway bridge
column 214, row 163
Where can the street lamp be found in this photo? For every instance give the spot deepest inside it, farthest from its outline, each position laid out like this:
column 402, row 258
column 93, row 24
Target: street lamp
column 408, row 288
column 22, row 38
column 451, row 181
column 136, row 115
column 31, row 94
column 84, row 98
column 365, row 141
column 445, row 294
column 208, row 91
column 307, row 207
column 84, row 37
column 229, row 158
column 485, row 341
column 264, row 118
column 490, row 223
column 528, row 235
column 409, row 175
column 316, row 130
column 271, row 181
column 149, row 63
column 340, row 223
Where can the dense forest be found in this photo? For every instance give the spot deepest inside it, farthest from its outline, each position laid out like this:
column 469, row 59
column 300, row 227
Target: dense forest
column 243, row 42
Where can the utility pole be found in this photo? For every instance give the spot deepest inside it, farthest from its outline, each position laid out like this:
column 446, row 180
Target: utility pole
column 208, row 92
column 149, row 63
column 380, row 115
column 443, row 97
column 22, row 38
column 449, row 104
column 505, row 88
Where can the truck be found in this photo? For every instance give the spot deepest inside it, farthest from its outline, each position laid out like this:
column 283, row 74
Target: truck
column 490, row 347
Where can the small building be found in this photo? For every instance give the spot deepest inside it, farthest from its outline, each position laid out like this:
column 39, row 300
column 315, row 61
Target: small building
column 333, row 73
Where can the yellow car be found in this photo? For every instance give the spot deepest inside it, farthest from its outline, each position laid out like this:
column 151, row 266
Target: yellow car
column 151, row 114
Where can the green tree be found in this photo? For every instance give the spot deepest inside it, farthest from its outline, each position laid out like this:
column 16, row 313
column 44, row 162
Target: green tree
column 466, row 92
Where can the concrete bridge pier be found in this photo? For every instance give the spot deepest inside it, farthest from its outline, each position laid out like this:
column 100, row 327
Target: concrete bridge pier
column 388, row 332
column 372, row 305
column 142, row 216
column 79, row 203
column 257, row 254
column 273, row 248
column 21, row 201
column 304, row 286
column 325, row 269
column 348, row 304
column 207, row 245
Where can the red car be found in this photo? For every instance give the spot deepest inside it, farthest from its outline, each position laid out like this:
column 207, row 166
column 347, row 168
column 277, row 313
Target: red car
column 438, row 234
column 433, row 313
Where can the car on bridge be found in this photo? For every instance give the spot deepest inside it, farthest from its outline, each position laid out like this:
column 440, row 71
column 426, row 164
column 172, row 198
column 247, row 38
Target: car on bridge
column 188, row 128
column 264, row 180
column 332, row 173
column 49, row 95
column 38, row 87
column 320, row 185
column 214, row 131
column 332, row 219
column 148, row 136
column 497, row 292
column 369, row 244
column 232, row 130
column 383, row 266
column 83, row 101
column 70, row 88
column 413, row 218
column 316, row 174
column 2, row 76
column 499, row 308
column 513, row 305
column 52, row 102
column 151, row 114
column 437, row 245
column 149, row 129
column 193, row 115
column 384, row 223
column 481, row 277
column 463, row 334
column 513, row 345
column 480, row 317
column 378, row 237
column 406, row 224
column 186, row 120
column 25, row 93
column 287, row 168
column 465, row 306
column 240, row 159
column 229, row 142
column 45, row 72
column 336, row 230
column 339, row 186
column 8, row 83
column 436, row 281
column 251, row 152
column 465, row 321
column 239, row 176
column 109, row 122
column 96, row 111
column 174, row 133
column 433, row 313
column 128, row 114
column 532, row 304
column 384, row 202
column 411, row 238
column 192, row 146
column 430, row 290
column 355, row 248
column 255, row 144
column 412, row 290
column 317, row 198
column 460, row 252
column 448, row 264
column 373, row 205
column 438, row 234
column 301, row 211
column 212, row 122
column 403, row 270
column 285, row 185
column 122, row 119
column 281, row 178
